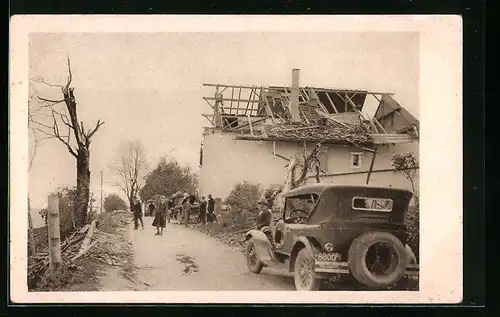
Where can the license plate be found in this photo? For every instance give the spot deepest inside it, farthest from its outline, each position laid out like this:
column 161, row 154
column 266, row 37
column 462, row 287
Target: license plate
column 332, row 257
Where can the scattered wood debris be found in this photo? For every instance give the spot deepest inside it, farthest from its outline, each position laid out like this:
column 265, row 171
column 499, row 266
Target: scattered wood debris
column 326, row 131
column 87, row 243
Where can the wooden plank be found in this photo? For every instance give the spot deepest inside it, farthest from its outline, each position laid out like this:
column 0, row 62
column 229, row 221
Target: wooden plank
column 217, row 111
column 246, row 124
column 248, row 104
column 379, row 125
column 229, row 99
column 208, row 118
column 333, row 90
column 228, row 86
column 324, row 115
column 331, row 102
column 54, row 234
column 211, row 106
column 232, row 97
column 390, row 138
column 268, row 109
column 316, row 97
column 346, row 117
column 232, row 116
column 237, row 102
column 371, row 166
column 351, row 103
column 304, row 115
column 250, row 125
column 305, row 95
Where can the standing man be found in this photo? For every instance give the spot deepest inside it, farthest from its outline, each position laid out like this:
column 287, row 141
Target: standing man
column 137, row 210
column 186, row 209
column 203, row 210
column 210, row 209
column 170, row 207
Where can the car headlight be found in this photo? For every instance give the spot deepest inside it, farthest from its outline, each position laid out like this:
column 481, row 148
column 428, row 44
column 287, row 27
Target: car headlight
column 328, row 247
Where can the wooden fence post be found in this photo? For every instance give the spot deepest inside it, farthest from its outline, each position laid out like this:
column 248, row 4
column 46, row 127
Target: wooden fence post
column 218, row 206
column 53, row 227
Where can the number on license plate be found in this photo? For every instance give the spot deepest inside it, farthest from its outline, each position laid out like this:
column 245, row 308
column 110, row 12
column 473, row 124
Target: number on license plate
column 327, row 257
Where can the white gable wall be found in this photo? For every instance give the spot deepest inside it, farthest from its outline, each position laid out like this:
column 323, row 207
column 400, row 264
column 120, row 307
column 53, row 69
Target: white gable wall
column 227, row 162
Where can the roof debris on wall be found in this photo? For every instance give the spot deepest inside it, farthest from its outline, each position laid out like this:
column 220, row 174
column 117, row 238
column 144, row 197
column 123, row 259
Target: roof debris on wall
column 326, row 115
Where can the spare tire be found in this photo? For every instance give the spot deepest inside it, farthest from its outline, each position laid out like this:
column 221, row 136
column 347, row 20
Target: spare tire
column 377, row 259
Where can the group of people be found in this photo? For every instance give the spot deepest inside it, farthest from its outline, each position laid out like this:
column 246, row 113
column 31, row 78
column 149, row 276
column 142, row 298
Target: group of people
column 207, row 209
column 163, row 209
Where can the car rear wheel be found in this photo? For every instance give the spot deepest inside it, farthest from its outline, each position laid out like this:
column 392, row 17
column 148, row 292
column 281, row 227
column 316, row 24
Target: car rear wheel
column 377, row 259
column 304, row 276
column 253, row 263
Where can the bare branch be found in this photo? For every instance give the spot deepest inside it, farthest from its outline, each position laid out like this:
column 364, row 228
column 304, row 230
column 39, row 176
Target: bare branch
column 60, row 138
column 70, row 77
column 42, row 81
column 99, row 123
column 50, row 128
column 50, row 100
column 36, row 142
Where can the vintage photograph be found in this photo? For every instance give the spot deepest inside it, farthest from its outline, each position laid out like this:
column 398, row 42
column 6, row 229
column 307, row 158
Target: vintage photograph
column 223, row 161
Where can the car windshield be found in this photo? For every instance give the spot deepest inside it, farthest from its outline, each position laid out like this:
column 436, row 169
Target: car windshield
column 301, row 205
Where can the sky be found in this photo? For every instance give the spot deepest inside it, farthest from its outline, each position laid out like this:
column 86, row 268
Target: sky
column 149, row 86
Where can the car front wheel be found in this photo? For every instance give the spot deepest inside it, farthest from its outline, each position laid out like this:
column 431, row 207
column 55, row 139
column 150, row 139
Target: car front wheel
column 253, row 263
column 304, row 275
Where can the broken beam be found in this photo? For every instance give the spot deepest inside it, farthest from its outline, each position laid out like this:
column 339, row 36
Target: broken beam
column 268, row 108
column 331, row 102
column 246, row 124
column 371, row 166
column 324, row 115
column 232, row 99
column 227, row 86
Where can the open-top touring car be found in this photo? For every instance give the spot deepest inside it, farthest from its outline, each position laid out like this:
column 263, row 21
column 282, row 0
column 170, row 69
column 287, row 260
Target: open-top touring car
column 332, row 231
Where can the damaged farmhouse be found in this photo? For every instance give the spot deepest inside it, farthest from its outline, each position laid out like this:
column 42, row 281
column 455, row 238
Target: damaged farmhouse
column 258, row 134
column 349, row 224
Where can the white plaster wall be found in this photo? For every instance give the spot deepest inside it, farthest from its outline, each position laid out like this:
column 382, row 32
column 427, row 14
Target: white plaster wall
column 227, row 162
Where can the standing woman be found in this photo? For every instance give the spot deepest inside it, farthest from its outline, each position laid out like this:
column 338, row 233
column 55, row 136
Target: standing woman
column 160, row 217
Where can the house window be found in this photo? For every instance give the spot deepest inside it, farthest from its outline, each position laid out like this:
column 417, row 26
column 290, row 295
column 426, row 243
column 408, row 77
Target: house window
column 323, row 161
column 356, row 160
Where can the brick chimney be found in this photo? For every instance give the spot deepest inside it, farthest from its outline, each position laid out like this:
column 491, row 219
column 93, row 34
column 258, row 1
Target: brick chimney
column 294, row 99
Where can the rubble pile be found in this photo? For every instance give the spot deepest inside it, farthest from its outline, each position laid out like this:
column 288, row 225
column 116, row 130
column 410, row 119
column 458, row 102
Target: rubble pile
column 87, row 243
column 324, row 131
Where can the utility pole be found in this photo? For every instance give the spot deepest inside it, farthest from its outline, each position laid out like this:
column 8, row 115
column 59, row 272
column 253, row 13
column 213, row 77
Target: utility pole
column 101, row 192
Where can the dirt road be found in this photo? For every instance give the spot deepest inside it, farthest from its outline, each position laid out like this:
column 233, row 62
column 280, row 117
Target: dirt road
column 185, row 259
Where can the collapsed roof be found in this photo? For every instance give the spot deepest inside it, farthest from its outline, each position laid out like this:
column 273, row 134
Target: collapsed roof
column 297, row 114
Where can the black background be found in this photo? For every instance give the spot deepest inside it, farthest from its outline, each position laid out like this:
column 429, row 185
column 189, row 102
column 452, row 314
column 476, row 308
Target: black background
column 474, row 75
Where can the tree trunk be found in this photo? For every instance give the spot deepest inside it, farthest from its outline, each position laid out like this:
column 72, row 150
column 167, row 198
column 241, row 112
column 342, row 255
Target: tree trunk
column 82, row 186
column 31, row 235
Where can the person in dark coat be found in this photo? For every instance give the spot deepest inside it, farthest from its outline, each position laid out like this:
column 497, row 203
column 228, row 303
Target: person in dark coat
column 203, row 210
column 137, row 210
column 187, row 205
column 210, row 209
column 170, row 209
column 160, row 217
column 265, row 216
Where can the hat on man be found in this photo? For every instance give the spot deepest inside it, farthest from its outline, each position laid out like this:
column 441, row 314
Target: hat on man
column 263, row 201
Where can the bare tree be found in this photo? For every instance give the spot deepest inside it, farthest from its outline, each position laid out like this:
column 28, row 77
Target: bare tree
column 131, row 169
column 36, row 143
column 50, row 121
